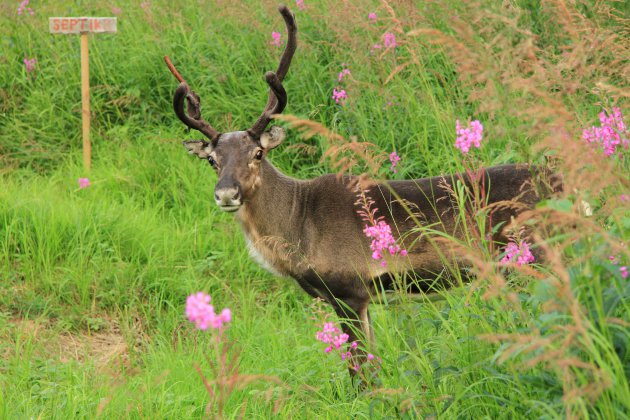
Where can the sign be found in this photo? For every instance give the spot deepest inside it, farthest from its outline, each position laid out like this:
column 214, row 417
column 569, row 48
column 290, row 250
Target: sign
column 83, row 26
column 77, row 25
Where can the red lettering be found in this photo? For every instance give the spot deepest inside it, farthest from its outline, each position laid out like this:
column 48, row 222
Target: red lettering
column 73, row 25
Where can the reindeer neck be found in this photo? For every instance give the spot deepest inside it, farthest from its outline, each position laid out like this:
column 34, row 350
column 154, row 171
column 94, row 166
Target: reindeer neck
column 269, row 209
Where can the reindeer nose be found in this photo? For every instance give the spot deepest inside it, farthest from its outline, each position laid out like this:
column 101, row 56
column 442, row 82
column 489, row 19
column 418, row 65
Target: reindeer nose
column 228, row 198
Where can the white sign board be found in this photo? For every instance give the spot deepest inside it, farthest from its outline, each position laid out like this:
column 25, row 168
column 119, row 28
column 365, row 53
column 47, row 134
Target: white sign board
column 83, row 26
column 77, row 25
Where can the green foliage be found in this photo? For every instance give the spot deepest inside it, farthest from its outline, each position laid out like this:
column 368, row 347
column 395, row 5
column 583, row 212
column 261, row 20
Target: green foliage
column 93, row 281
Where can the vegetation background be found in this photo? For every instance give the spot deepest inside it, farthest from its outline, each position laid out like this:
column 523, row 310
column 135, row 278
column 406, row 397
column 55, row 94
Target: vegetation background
column 93, row 281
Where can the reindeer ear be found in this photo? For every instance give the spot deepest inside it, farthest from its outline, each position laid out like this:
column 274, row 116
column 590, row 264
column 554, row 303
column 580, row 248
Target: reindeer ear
column 197, row 147
column 272, row 138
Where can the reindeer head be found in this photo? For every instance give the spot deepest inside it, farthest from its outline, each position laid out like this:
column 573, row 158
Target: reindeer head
column 237, row 156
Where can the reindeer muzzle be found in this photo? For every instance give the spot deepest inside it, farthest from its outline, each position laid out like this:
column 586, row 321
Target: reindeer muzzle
column 228, row 198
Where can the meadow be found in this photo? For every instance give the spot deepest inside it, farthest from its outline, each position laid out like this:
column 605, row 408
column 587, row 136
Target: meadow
column 94, row 280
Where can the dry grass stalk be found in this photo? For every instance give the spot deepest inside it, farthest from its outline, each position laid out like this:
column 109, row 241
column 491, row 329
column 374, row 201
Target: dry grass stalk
column 344, row 155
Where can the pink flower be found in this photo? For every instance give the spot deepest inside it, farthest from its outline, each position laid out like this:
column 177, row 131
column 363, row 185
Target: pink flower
column 84, row 182
column 116, row 10
column 612, row 133
column 382, row 241
column 201, row 313
column 332, row 336
column 226, row 315
column 300, row 4
column 377, row 46
column 372, row 17
column 389, row 40
column 394, row 159
column 23, row 7
column 339, row 95
column 335, row 340
column 518, row 254
column 613, row 259
column 370, row 356
column 624, row 198
column 344, row 72
column 276, row 39
column 467, row 137
column 29, row 64
column 624, row 271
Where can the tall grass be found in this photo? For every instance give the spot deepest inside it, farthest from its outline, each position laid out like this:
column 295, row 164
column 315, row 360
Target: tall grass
column 93, row 281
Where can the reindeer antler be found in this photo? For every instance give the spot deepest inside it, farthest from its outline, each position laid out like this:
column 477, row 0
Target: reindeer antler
column 192, row 118
column 277, row 95
column 173, row 70
column 195, row 121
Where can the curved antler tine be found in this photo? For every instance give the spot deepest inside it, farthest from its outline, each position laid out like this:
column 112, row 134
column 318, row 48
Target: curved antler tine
column 193, row 105
column 278, row 90
column 281, row 101
column 193, row 118
column 173, row 70
column 273, row 103
column 291, row 46
column 183, row 92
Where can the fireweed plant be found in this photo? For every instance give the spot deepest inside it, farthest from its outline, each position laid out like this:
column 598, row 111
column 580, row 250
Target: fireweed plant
column 24, row 8
column 383, row 243
column 612, row 134
column 275, row 39
column 394, row 159
column 29, row 64
column 224, row 365
column 336, row 343
column 339, row 93
column 517, row 250
column 83, row 183
column 202, row 315
column 471, row 202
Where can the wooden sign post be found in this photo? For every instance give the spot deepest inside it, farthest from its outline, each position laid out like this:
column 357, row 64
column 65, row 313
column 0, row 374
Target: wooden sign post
column 84, row 26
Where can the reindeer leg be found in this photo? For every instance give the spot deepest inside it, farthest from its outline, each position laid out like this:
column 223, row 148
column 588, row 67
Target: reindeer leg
column 366, row 322
column 355, row 321
column 352, row 309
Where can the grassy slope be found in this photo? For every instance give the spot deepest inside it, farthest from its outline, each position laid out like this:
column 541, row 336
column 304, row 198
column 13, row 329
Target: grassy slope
column 93, row 282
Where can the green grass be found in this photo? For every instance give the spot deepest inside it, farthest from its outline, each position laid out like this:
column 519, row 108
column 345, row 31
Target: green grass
column 93, row 282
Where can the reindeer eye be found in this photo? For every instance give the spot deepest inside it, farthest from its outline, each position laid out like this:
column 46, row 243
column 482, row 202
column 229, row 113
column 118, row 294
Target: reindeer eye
column 211, row 161
column 259, row 154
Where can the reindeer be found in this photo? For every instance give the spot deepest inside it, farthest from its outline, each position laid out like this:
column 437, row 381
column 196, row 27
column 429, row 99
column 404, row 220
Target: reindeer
column 310, row 230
